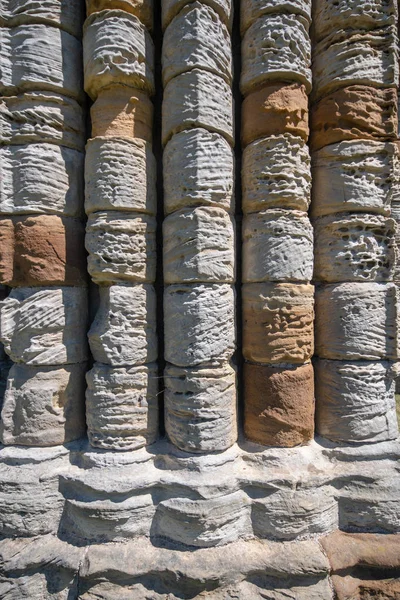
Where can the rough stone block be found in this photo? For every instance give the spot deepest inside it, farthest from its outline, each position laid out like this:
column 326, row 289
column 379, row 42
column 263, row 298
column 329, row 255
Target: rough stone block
column 276, row 174
column 41, row 178
column 42, row 250
column 278, row 404
column 354, row 112
column 122, row 112
column 199, row 323
column 142, row 9
column 45, row 326
column 123, row 332
column 356, row 321
column 5, row 366
column 40, row 57
column 41, row 117
column 117, row 50
column 198, row 170
column 275, row 109
column 224, row 8
column 276, row 47
column 356, row 57
column 67, row 14
column 250, row 10
column 120, row 174
column 355, row 401
column 204, row 43
column 355, row 176
column 199, row 246
column 278, row 322
column 197, row 99
column 395, row 212
column 277, row 246
column 43, row 406
column 358, row 247
column 121, row 246
column 200, row 407
column 122, row 406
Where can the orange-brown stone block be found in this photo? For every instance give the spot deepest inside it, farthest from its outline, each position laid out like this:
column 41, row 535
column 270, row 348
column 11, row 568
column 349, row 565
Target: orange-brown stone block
column 120, row 111
column 143, row 9
column 275, row 109
column 279, row 404
column 354, row 112
column 42, row 250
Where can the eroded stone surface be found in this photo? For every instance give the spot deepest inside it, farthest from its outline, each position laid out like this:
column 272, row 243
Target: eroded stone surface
column 355, row 401
column 45, row 326
column 224, row 8
column 199, row 323
column 123, row 332
column 198, row 170
column 276, row 47
column 395, row 212
column 43, row 406
column 121, row 246
column 117, row 49
column 250, row 10
column 65, row 14
column 276, row 174
column 199, row 246
column 122, row 406
column 277, row 246
column 143, row 9
column 278, row 322
column 200, row 407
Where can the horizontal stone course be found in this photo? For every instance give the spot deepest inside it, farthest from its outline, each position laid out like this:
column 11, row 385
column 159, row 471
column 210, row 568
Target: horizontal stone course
column 250, row 10
column 142, row 9
column 65, row 15
column 224, row 8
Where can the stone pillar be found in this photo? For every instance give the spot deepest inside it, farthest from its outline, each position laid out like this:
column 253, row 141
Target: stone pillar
column 355, row 164
column 42, row 259
column 199, row 228
column 278, row 300
column 120, row 201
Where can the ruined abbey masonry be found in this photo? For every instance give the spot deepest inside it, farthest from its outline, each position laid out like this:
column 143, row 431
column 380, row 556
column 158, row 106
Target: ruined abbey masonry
column 171, row 172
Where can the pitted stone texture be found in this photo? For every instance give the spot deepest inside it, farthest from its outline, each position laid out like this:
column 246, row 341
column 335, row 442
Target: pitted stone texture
column 356, row 321
column 276, row 174
column 36, row 57
column 277, row 246
column 45, row 326
column 275, row 109
column 199, row 246
column 142, row 9
column 355, row 401
column 395, row 212
column 120, row 111
column 250, row 10
column 120, row 174
column 122, row 406
column 199, row 323
column 224, row 8
column 198, row 170
column 67, row 14
column 334, row 64
column 204, row 43
column 42, row 250
column 276, row 47
column 278, row 322
column 41, row 178
column 197, row 99
column 355, row 176
column 352, row 14
column 200, row 407
column 123, row 332
column 354, row 112
column 117, row 50
column 121, row 246
column 43, row 406
column 279, row 404
column 358, row 247
column 41, row 117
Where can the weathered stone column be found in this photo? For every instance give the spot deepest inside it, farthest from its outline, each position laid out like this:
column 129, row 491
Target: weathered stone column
column 199, row 229
column 120, row 201
column 44, row 318
column 355, row 178
column 278, row 300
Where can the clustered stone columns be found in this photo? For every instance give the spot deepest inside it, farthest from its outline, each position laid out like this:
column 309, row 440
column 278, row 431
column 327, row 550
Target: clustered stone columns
column 278, row 300
column 355, row 176
column 199, row 229
column 120, row 201
column 43, row 320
